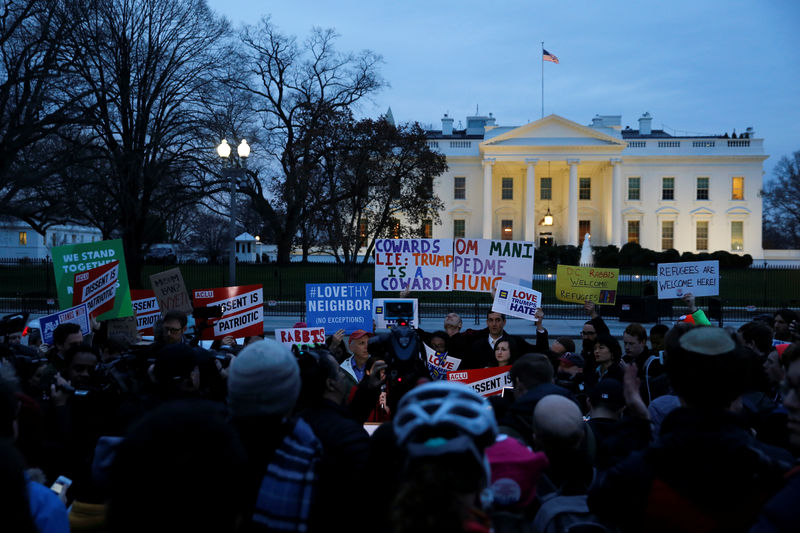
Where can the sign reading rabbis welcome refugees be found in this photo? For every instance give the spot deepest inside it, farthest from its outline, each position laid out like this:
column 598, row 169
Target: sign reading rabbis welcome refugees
column 73, row 258
column 516, row 301
column 582, row 284
column 478, row 264
column 701, row 278
column 336, row 306
column 300, row 336
column 413, row 264
column 242, row 311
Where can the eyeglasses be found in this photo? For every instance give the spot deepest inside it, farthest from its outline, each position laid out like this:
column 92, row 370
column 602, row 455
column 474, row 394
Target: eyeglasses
column 588, row 332
column 172, row 330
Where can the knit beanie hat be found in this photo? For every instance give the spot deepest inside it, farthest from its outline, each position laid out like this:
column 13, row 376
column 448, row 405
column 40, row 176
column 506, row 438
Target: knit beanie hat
column 264, row 379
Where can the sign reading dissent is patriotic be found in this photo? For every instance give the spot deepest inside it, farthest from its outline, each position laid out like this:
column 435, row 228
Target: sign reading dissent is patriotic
column 145, row 306
column 97, row 288
column 485, row 381
column 242, row 311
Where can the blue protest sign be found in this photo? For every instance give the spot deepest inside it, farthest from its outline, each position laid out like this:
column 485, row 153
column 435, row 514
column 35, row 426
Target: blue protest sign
column 76, row 315
column 337, row 306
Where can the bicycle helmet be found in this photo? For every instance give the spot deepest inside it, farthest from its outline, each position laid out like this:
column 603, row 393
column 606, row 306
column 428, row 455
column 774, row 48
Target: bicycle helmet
column 444, row 410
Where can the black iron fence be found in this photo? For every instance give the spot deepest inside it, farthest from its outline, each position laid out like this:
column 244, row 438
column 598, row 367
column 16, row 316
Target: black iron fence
column 29, row 285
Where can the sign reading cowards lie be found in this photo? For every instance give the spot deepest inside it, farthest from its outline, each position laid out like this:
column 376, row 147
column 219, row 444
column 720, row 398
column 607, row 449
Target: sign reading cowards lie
column 336, row 306
column 582, row 284
column 701, row 278
column 478, row 264
column 413, row 264
column 73, row 258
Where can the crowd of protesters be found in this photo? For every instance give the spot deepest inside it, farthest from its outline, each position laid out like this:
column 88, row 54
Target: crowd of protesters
column 685, row 427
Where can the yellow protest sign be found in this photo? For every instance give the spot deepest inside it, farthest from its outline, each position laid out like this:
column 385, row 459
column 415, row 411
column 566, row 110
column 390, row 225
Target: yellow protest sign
column 579, row 284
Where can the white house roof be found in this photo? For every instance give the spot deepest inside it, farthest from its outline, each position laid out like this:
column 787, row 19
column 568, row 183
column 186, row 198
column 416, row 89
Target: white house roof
column 245, row 237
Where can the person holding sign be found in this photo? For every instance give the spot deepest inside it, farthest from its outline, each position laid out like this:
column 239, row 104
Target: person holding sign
column 355, row 365
column 607, row 356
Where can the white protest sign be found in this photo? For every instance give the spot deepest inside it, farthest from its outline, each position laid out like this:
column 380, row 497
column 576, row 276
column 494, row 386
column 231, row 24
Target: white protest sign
column 701, row 278
column 439, row 364
column 516, row 301
column 414, row 264
column 485, row 381
column 292, row 336
column 478, row 264
column 387, row 311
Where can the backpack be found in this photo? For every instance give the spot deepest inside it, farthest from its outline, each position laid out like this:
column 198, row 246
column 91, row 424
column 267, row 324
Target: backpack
column 560, row 513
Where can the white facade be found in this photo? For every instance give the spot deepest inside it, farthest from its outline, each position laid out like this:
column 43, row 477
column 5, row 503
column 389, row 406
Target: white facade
column 19, row 240
column 696, row 194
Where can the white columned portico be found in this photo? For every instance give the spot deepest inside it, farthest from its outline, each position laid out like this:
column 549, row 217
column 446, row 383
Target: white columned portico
column 530, row 200
column 616, row 201
column 572, row 226
column 488, row 163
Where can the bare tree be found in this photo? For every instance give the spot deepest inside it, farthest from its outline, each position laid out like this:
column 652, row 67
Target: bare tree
column 297, row 91
column 782, row 204
column 148, row 65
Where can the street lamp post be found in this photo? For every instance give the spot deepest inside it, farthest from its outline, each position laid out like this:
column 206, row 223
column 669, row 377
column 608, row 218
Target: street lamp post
column 234, row 174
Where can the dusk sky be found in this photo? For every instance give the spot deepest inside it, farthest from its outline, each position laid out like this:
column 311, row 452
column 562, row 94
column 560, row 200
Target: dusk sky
column 699, row 67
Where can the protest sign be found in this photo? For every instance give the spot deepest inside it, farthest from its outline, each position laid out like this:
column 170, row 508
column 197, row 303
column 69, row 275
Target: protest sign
column 701, row 278
column 300, row 336
column 517, row 301
column 242, row 311
column 478, row 264
column 75, row 315
column 414, row 264
column 582, row 284
column 389, row 310
column 73, row 258
column 97, row 288
column 336, row 306
column 171, row 292
column 440, row 364
column 123, row 328
column 485, row 381
column 145, row 307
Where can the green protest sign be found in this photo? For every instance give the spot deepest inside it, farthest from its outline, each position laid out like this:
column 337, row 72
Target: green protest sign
column 73, row 258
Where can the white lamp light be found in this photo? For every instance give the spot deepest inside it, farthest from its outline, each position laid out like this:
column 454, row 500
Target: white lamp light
column 243, row 149
column 224, row 149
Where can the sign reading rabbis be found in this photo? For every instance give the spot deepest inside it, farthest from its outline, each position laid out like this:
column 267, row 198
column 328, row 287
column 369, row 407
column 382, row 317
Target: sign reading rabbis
column 242, row 311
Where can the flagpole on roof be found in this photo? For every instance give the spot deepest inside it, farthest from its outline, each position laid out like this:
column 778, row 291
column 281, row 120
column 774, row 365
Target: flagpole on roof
column 542, row 59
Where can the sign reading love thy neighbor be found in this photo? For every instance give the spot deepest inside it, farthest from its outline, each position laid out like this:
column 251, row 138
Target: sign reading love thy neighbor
column 97, row 288
column 478, row 264
column 582, row 284
column 336, row 306
column 74, row 315
column 300, row 336
column 71, row 259
column 516, row 301
column 242, row 311
column 701, row 278
column 413, row 264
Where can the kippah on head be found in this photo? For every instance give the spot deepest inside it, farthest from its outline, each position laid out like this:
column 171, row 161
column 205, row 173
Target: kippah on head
column 264, row 379
column 707, row 340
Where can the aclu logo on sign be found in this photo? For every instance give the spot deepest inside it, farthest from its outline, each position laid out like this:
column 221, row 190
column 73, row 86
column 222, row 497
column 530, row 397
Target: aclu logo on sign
column 203, row 294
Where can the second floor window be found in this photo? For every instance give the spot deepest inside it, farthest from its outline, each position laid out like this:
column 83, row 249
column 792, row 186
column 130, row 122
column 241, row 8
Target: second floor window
column 508, row 189
column 702, row 188
column 737, row 188
column 634, row 189
column 585, row 189
column 546, row 189
column 668, row 189
column 459, row 188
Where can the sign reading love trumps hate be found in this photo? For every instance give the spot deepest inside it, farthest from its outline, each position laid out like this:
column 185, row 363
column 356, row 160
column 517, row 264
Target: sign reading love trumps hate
column 335, row 306
column 413, row 264
column 516, row 301
column 478, row 264
column 701, row 278
column 242, row 311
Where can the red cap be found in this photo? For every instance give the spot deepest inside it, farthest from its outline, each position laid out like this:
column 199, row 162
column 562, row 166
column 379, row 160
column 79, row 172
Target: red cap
column 357, row 334
column 300, row 325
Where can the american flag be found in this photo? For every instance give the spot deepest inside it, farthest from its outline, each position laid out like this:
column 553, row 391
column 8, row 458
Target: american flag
column 547, row 56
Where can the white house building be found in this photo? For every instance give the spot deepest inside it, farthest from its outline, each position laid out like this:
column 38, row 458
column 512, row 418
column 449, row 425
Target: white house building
column 554, row 180
column 18, row 240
